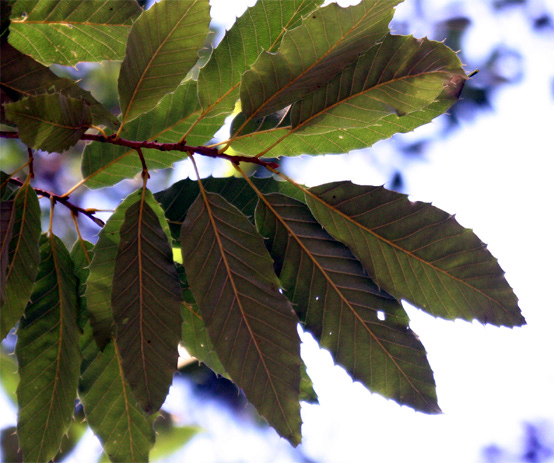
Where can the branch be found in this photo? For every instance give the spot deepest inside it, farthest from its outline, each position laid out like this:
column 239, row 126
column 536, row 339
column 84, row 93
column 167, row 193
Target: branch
column 76, row 210
column 154, row 145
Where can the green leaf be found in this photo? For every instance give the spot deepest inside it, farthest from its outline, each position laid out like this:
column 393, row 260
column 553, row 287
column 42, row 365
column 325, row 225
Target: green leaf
column 340, row 306
column 177, row 199
column 81, row 255
column 66, row 33
column 171, row 438
column 48, row 355
column 51, row 122
column 417, row 252
column 260, row 28
column 6, row 228
column 23, row 257
column 110, row 407
column 22, row 76
column 176, row 116
column 307, row 392
column 8, row 374
column 99, row 282
column 162, row 47
column 328, row 40
column 251, row 324
column 146, row 300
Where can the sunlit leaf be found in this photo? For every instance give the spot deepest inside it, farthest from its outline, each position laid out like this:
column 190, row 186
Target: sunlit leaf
column 146, row 300
column 260, row 28
column 341, row 306
column 162, row 47
column 172, row 439
column 22, row 76
column 177, row 199
column 328, row 40
column 23, row 257
column 417, row 252
column 50, row 122
column 99, row 282
column 177, row 114
column 48, row 355
column 251, row 324
column 71, row 31
column 8, row 374
column 111, row 410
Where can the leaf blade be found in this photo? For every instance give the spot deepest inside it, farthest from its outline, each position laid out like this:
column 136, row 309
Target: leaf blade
column 417, row 252
column 222, row 250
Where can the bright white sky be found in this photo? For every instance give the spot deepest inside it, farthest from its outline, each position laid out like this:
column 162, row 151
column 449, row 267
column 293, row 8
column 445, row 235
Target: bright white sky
column 495, row 174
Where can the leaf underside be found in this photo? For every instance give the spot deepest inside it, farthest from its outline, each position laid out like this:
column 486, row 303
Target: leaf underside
column 340, row 305
column 251, row 324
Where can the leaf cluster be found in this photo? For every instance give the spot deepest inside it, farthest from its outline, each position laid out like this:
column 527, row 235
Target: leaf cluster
column 254, row 257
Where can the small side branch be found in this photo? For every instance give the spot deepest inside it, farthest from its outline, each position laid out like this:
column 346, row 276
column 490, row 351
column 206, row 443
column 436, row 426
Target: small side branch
column 76, row 210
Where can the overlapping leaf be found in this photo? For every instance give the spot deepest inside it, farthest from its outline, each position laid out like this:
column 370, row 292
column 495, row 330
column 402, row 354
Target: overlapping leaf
column 417, row 252
column 110, row 407
column 251, row 324
column 177, row 114
column 22, row 76
column 260, row 28
column 99, row 282
column 23, row 256
column 162, row 47
column 177, row 199
column 340, row 305
column 146, row 300
column 328, row 40
column 6, row 227
column 81, row 255
column 48, row 355
column 68, row 32
column 50, row 122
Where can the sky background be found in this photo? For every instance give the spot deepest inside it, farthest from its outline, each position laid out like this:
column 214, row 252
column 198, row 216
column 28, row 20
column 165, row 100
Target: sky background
column 494, row 171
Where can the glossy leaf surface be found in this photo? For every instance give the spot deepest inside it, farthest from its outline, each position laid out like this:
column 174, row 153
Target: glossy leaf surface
column 23, row 256
column 162, row 47
column 417, row 252
column 364, row 328
column 68, row 32
column 251, row 324
column 146, row 299
column 51, row 122
column 48, row 355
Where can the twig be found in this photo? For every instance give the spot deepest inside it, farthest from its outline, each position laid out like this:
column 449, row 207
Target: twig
column 76, row 210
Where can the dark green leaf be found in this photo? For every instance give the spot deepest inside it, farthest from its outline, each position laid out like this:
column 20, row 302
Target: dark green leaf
column 50, row 122
column 175, row 117
column 417, row 252
column 260, row 28
column 341, row 306
column 328, row 40
column 99, row 282
column 162, row 47
column 6, row 228
column 307, row 392
column 177, row 199
column 251, row 324
column 110, row 407
column 23, row 257
column 146, row 300
column 22, row 76
column 48, row 355
column 81, row 255
column 67, row 32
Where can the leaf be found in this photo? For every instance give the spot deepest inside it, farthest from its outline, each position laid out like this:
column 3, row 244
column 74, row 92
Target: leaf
column 146, row 299
column 341, row 306
column 251, row 324
column 328, row 40
column 81, row 255
column 260, row 28
column 110, row 407
column 23, row 257
column 66, row 33
column 307, row 392
column 105, row 164
column 48, row 354
column 52, row 122
column 99, row 282
column 177, row 199
column 162, row 47
column 22, row 76
column 6, row 227
column 417, row 252
column 171, row 440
